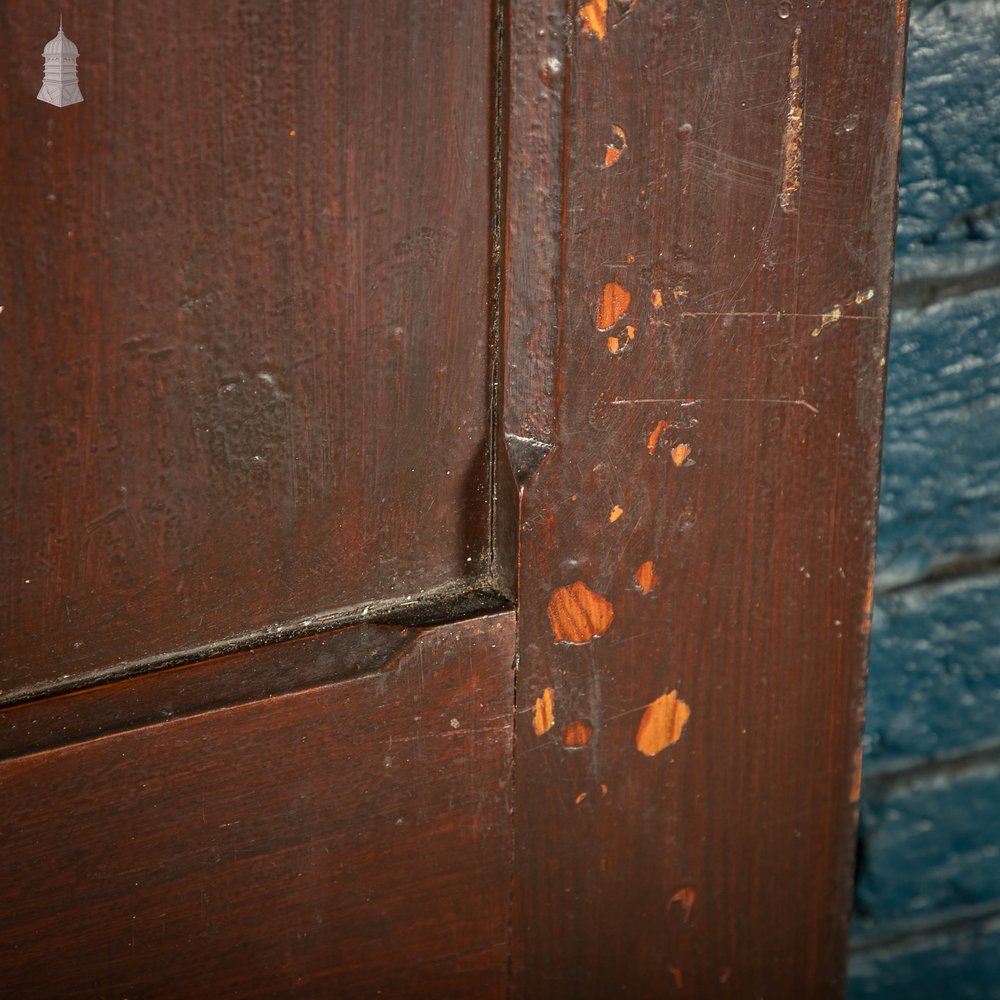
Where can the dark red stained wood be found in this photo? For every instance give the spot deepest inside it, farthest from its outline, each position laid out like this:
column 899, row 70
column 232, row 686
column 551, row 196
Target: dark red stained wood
column 748, row 192
column 188, row 690
column 333, row 842
column 533, row 221
column 244, row 329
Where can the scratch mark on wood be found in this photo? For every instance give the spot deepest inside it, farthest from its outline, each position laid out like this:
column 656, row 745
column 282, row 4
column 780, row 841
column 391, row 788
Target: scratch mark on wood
column 661, row 724
column 683, row 401
column 791, row 176
column 836, row 313
column 577, row 614
column 545, row 716
column 612, row 305
column 654, row 436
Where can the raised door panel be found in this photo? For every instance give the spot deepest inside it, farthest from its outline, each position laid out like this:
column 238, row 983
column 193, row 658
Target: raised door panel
column 334, row 841
column 244, row 337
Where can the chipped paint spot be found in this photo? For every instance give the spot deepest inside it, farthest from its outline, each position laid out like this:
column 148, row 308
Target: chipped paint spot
column 656, row 298
column 678, row 976
column 654, row 436
column 836, row 313
column 686, row 897
column 661, row 724
column 791, row 175
column 680, row 294
column 604, row 790
column 577, row 614
column 594, row 18
column 900, row 14
column 856, row 780
column 612, row 305
column 577, row 734
column 614, row 149
column 679, row 453
column 544, row 712
column 645, row 577
column 618, row 345
column 616, row 512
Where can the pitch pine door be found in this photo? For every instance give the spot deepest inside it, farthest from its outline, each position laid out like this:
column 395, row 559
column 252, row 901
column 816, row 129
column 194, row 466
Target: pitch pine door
column 440, row 455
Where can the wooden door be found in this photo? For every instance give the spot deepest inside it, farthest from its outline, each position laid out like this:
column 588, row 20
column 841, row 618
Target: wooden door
column 360, row 360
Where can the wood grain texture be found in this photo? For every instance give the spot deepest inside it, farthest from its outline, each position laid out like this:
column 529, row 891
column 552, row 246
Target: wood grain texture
column 337, row 841
column 533, row 218
column 731, row 167
column 177, row 692
column 244, row 329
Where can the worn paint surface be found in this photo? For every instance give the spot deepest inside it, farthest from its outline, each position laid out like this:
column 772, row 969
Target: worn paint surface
column 661, row 724
column 743, row 453
column 577, row 614
column 225, row 345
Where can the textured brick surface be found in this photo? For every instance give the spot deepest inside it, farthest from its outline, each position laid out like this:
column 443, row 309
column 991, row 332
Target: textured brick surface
column 956, row 965
column 949, row 208
column 941, row 461
column 934, row 674
column 929, row 845
column 928, row 890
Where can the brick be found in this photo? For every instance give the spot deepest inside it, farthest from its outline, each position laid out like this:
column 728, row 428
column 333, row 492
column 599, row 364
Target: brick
column 949, row 206
column 934, row 672
column 952, row 965
column 941, row 459
column 929, row 844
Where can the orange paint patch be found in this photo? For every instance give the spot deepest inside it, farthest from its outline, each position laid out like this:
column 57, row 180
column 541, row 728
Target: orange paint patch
column 856, row 780
column 645, row 577
column 577, row 614
column 577, row 734
column 580, row 797
column 685, row 897
column 612, row 305
column 656, row 298
column 900, row 14
column 617, row 345
column 544, row 712
column 661, row 724
column 792, row 141
column 613, row 151
column 654, row 436
column 616, row 512
column 679, row 453
column 594, row 18
column 604, row 790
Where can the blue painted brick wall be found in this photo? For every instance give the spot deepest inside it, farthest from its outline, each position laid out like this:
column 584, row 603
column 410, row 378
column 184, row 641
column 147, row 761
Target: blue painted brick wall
column 927, row 908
